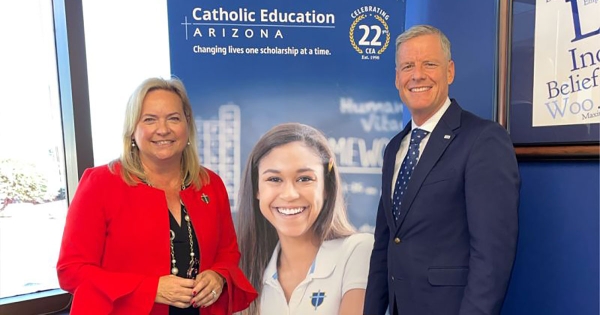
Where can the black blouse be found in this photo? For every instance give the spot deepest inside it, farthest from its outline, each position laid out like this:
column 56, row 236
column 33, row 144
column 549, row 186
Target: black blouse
column 181, row 246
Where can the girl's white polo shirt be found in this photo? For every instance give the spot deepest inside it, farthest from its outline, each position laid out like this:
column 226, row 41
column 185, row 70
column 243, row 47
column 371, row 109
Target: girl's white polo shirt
column 340, row 265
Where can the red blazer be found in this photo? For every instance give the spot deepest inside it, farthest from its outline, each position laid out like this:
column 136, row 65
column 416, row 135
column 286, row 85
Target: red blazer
column 115, row 245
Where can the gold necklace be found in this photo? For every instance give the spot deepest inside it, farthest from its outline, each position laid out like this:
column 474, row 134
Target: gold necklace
column 194, row 262
column 193, row 268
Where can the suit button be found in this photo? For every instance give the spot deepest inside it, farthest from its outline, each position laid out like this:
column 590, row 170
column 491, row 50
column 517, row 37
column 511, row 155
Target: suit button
column 397, row 240
column 393, row 278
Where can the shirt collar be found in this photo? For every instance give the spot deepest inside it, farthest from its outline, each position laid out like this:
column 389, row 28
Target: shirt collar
column 322, row 266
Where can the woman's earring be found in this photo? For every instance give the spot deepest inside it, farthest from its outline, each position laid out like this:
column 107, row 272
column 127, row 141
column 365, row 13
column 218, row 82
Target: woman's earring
column 133, row 143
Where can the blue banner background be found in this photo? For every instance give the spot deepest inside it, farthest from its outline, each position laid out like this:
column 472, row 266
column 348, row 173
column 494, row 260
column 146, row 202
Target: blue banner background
column 348, row 95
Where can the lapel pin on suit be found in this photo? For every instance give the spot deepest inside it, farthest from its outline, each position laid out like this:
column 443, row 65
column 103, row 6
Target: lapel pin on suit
column 446, row 137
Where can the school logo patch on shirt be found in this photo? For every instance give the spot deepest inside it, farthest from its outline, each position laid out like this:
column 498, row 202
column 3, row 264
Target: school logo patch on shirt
column 317, row 298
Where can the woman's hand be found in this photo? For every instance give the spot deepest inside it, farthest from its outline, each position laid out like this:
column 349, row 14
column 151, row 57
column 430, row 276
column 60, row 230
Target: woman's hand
column 175, row 291
column 208, row 288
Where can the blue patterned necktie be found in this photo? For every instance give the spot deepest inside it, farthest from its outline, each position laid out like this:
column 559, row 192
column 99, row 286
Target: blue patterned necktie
column 408, row 164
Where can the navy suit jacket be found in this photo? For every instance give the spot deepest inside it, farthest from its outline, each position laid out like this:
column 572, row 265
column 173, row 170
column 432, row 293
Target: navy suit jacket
column 452, row 249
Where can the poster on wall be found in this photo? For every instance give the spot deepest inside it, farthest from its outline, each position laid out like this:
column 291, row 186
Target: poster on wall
column 249, row 66
column 566, row 88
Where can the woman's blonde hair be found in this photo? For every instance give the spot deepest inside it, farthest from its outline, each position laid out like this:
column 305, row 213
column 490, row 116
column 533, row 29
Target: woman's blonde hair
column 131, row 167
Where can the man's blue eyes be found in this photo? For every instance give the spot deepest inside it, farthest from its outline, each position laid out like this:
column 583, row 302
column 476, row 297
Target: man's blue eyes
column 427, row 65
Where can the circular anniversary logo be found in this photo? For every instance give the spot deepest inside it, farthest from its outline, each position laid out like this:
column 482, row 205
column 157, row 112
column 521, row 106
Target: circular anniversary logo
column 369, row 32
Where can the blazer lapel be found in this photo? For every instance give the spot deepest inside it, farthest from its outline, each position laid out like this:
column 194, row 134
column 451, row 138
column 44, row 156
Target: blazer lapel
column 440, row 138
column 389, row 163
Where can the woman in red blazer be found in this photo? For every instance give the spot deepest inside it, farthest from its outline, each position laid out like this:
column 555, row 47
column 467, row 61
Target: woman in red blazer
column 152, row 233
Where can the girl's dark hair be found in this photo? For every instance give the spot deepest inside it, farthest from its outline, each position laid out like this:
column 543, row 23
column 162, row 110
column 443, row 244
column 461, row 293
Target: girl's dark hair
column 257, row 237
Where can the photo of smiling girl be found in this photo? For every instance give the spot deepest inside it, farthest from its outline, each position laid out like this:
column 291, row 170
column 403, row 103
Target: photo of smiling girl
column 298, row 248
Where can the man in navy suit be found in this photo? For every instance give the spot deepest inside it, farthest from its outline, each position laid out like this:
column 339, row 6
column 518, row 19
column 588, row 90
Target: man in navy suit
column 446, row 232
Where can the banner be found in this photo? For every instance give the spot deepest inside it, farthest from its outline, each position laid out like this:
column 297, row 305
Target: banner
column 249, row 66
column 567, row 63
